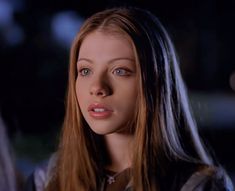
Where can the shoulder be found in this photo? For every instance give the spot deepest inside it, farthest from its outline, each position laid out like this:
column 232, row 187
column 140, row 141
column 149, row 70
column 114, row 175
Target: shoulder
column 208, row 178
column 41, row 175
column 188, row 176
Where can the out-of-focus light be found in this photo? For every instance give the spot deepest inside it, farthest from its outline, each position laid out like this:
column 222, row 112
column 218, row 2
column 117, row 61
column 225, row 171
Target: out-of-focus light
column 232, row 81
column 13, row 35
column 6, row 13
column 18, row 5
column 215, row 111
column 10, row 31
column 65, row 26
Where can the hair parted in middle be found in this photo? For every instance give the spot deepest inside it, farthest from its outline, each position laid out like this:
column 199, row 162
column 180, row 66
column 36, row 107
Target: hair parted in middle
column 163, row 127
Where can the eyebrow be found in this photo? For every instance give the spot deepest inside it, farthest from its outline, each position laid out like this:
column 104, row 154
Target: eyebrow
column 110, row 61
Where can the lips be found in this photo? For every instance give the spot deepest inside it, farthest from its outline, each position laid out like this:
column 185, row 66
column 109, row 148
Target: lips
column 99, row 111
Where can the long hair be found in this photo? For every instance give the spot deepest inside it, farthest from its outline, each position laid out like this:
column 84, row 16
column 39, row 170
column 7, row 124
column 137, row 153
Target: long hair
column 165, row 130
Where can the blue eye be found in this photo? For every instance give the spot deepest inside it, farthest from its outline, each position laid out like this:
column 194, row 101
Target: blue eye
column 84, row 71
column 121, row 72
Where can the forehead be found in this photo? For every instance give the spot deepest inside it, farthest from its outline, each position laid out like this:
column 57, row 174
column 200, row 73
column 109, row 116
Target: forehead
column 101, row 42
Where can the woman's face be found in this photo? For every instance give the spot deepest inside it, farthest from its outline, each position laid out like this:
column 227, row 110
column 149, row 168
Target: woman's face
column 107, row 85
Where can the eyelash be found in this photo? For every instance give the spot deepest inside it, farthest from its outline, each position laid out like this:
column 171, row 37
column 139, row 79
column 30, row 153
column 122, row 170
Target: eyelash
column 125, row 72
column 84, row 69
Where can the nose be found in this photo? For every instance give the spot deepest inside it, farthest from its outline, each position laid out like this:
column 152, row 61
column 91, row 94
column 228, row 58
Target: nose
column 100, row 88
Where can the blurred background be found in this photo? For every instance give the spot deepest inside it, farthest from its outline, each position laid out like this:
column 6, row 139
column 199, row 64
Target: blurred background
column 35, row 37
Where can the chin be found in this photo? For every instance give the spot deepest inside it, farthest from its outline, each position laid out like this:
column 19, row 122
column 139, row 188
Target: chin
column 99, row 132
column 102, row 130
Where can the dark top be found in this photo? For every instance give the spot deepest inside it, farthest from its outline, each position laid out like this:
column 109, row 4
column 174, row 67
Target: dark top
column 182, row 177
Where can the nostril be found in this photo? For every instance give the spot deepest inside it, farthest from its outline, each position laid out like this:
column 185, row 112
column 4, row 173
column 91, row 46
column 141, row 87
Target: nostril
column 100, row 88
column 102, row 92
column 98, row 92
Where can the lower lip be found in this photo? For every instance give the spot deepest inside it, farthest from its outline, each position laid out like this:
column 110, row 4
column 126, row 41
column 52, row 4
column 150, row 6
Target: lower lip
column 100, row 115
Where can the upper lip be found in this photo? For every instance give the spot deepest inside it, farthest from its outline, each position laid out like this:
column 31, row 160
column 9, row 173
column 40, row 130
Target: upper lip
column 98, row 106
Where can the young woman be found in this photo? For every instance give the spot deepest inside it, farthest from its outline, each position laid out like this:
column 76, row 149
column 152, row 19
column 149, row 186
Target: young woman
column 128, row 124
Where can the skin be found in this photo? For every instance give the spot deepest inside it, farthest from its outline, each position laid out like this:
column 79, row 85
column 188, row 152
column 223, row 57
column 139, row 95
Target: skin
column 107, row 81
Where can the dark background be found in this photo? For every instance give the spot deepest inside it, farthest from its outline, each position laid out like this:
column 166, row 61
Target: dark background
column 35, row 37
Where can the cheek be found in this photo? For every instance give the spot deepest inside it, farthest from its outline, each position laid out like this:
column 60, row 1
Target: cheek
column 80, row 94
column 132, row 96
column 128, row 96
column 77, row 89
column 130, row 91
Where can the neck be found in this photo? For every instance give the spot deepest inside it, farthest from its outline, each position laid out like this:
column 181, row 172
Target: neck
column 119, row 149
